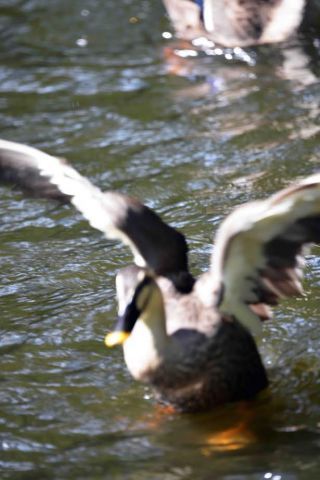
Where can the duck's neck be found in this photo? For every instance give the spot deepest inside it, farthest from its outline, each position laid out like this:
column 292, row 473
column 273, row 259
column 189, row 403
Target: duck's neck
column 153, row 324
column 145, row 348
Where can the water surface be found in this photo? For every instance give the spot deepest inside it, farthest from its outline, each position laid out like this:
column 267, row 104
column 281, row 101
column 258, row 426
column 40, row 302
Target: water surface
column 193, row 135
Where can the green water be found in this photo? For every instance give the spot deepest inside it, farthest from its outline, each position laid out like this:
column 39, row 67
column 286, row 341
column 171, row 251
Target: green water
column 192, row 138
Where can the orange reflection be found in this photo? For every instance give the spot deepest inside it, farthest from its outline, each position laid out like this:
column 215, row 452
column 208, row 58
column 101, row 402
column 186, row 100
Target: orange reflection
column 231, row 439
column 234, row 438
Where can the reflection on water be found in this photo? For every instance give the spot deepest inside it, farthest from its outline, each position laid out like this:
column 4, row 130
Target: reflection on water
column 192, row 140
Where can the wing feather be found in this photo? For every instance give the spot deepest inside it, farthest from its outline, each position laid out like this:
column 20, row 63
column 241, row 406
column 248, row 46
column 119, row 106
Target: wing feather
column 260, row 248
column 154, row 244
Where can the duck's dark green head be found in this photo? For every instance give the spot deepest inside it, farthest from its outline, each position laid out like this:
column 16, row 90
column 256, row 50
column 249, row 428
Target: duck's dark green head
column 134, row 286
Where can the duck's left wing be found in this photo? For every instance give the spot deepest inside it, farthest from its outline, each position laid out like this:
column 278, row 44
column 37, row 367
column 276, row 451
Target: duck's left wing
column 258, row 255
column 153, row 243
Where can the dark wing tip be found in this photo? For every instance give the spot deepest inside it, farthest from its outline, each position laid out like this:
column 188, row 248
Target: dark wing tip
column 21, row 171
column 154, row 243
column 164, row 249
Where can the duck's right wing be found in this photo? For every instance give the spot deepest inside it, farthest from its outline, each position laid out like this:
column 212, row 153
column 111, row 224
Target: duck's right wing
column 259, row 251
column 154, row 244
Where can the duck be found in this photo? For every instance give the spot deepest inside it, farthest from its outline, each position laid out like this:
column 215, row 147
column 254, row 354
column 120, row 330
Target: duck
column 236, row 23
column 194, row 340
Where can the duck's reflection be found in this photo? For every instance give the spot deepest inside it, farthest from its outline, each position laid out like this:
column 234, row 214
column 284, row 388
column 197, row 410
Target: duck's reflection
column 210, row 69
column 217, row 42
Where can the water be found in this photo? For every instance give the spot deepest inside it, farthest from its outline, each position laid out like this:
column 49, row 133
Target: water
column 193, row 137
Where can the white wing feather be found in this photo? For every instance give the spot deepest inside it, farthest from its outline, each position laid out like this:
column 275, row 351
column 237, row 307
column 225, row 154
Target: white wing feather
column 246, row 264
column 153, row 243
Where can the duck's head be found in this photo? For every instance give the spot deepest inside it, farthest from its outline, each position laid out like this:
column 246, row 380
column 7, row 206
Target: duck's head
column 135, row 287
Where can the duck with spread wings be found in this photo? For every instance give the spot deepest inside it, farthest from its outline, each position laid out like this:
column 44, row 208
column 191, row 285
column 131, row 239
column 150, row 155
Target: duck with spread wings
column 191, row 339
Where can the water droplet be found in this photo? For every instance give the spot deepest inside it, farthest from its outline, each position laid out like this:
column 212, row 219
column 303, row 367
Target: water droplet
column 133, row 20
column 202, row 42
column 82, row 42
column 186, row 53
column 167, row 35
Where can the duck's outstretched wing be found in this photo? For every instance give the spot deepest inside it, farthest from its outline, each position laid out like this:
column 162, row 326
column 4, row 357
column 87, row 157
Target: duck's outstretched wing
column 259, row 249
column 154, row 244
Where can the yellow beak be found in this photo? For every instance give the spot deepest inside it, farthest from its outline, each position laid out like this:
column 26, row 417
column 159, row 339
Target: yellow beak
column 116, row 338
